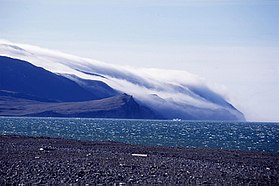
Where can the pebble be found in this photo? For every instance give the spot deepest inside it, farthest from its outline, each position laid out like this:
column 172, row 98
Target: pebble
column 72, row 162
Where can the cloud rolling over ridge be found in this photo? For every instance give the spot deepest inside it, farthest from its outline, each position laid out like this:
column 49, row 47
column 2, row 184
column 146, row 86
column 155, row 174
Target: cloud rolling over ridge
column 171, row 93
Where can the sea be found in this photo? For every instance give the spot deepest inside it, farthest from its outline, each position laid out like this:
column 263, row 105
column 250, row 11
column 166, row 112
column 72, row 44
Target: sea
column 245, row 136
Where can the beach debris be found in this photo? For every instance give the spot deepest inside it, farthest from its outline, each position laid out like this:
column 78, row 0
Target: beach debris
column 140, row 155
column 47, row 149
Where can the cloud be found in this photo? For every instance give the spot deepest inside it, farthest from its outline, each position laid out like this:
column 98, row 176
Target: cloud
column 179, row 89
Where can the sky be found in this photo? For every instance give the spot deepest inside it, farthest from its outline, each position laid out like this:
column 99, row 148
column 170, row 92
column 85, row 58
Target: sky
column 233, row 43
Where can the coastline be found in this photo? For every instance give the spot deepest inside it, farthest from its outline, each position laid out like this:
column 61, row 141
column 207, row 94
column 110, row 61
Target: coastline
column 44, row 160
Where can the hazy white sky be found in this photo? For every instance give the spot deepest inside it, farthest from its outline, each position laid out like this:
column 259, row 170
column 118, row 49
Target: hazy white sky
column 231, row 43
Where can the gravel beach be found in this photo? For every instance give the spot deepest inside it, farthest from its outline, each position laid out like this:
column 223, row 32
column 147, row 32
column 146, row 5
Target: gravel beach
column 42, row 160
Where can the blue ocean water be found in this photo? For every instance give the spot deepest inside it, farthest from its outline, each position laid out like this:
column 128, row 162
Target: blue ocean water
column 198, row 134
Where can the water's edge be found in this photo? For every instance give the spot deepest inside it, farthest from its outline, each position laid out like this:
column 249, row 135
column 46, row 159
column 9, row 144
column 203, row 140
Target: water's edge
column 245, row 136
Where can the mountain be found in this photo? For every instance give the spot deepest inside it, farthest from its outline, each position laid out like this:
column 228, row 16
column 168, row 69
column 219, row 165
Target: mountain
column 22, row 77
column 121, row 106
column 27, row 90
column 168, row 93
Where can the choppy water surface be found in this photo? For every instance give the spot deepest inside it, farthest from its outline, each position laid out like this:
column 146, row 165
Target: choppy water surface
column 205, row 134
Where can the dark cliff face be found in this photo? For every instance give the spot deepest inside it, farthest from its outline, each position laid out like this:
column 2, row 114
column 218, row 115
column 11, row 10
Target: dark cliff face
column 134, row 110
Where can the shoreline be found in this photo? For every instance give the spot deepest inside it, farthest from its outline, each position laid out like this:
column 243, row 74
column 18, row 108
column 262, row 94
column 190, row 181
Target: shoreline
column 46, row 160
column 160, row 146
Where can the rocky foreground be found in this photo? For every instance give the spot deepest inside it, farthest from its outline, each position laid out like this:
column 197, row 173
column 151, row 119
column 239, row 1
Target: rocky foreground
column 38, row 160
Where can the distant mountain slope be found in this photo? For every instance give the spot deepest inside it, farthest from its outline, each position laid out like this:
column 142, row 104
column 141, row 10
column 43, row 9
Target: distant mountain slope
column 169, row 93
column 121, row 106
column 22, row 77
column 27, row 90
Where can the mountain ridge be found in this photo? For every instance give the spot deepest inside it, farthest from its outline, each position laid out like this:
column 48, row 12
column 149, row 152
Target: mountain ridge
column 179, row 94
column 120, row 106
column 23, row 77
column 43, row 99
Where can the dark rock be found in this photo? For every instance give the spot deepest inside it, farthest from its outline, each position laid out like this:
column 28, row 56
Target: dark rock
column 111, row 163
